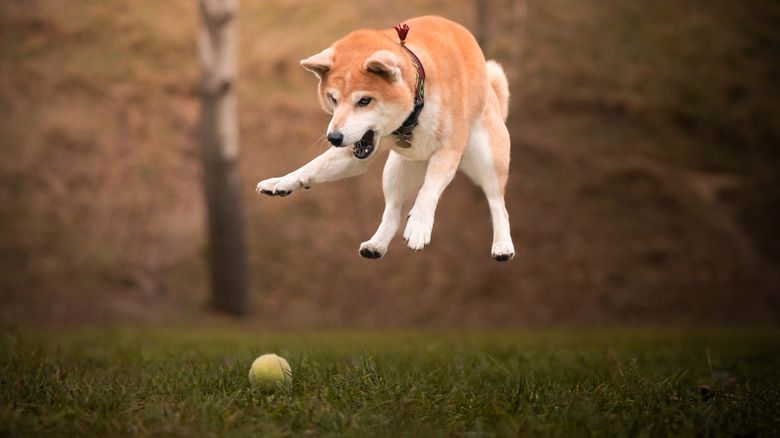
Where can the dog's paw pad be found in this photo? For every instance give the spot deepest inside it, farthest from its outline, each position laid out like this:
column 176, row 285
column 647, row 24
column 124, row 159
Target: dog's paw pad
column 370, row 253
column 503, row 257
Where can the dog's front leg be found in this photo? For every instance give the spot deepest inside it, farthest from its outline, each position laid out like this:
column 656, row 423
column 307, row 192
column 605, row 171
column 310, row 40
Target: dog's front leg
column 441, row 169
column 400, row 177
column 334, row 164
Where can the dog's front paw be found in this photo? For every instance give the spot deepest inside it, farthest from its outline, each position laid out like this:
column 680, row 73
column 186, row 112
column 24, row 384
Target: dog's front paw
column 268, row 187
column 282, row 186
column 372, row 250
column 503, row 251
column 417, row 233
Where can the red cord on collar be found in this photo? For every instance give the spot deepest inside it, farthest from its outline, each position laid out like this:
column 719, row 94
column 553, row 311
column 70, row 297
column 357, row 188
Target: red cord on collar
column 402, row 30
column 404, row 132
column 419, row 95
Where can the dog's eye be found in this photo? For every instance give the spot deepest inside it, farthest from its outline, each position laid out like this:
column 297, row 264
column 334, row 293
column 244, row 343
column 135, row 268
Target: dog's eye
column 364, row 101
column 332, row 99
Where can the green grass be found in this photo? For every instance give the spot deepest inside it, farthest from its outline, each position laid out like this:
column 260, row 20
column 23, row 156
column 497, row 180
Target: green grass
column 183, row 382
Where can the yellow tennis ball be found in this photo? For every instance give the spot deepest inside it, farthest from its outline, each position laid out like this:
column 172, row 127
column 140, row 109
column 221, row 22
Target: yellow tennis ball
column 270, row 372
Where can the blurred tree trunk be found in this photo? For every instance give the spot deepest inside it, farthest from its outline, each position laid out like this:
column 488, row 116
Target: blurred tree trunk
column 519, row 27
column 482, row 27
column 217, row 45
column 512, row 20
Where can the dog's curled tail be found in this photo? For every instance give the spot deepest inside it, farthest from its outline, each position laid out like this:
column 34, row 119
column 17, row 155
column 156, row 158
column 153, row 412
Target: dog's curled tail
column 500, row 86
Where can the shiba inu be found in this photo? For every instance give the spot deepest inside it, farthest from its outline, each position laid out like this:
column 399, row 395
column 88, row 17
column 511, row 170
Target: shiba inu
column 434, row 102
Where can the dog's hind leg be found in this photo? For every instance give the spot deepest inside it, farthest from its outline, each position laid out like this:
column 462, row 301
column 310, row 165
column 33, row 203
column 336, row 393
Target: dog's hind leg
column 400, row 177
column 486, row 162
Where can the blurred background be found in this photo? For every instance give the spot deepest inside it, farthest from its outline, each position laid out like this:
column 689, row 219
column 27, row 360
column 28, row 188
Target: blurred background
column 643, row 186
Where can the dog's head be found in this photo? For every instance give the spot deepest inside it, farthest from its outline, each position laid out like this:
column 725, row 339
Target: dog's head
column 364, row 84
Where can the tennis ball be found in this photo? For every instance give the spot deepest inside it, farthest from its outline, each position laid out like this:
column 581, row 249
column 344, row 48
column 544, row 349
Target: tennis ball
column 269, row 372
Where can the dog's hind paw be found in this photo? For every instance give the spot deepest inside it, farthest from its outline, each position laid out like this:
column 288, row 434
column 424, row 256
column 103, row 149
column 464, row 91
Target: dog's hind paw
column 503, row 252
column 419, row 226
column 417, row 236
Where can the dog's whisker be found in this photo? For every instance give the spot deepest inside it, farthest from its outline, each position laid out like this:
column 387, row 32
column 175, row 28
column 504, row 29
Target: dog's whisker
column 320, row 142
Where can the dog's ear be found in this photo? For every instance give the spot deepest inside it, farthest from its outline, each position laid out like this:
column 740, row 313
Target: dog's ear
column 384, row 63
column 319, row 64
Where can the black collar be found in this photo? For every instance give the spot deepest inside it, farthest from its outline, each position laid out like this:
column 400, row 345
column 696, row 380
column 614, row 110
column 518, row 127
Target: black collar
column 404, row 132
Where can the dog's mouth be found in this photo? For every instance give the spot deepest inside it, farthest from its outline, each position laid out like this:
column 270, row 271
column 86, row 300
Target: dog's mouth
column 365, row 147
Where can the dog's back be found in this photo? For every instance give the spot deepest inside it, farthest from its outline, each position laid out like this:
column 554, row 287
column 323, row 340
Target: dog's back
column 455, row 67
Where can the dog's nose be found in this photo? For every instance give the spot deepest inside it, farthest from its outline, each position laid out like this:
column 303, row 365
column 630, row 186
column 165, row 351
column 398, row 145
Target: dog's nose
column 335, row 138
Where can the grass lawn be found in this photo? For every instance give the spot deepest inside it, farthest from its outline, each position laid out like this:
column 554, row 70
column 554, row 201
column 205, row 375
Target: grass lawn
column 193, row 382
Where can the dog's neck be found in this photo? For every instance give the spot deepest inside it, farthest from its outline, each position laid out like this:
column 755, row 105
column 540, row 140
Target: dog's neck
column 405, row 131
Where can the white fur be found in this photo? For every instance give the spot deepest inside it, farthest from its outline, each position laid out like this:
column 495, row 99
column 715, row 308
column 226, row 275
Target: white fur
column 477, row 163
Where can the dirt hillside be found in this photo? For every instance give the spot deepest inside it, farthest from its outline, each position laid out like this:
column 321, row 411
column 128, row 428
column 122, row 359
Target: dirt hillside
column 643, row 188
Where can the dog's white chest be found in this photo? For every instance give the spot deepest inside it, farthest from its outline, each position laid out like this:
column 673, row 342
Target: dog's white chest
column 421, row 148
